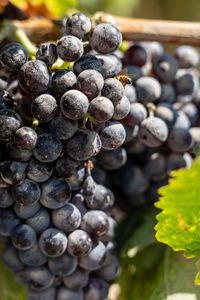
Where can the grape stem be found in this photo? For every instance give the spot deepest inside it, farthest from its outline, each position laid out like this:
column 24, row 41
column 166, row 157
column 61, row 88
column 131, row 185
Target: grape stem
column 25, row 41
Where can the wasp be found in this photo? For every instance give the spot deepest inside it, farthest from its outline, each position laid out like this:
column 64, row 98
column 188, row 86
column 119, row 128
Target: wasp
column 125, row 78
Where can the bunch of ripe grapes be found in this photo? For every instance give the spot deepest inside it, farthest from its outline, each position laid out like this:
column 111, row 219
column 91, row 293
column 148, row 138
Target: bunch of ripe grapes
column 111, row 124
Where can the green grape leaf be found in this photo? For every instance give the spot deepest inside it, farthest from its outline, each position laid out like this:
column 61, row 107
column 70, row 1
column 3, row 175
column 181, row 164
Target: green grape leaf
column 179, row 222
column 9, row 288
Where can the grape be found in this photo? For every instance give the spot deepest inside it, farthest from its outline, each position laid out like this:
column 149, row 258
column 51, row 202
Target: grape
column 137, row 114
column 131, row 180
column 8, row 127
column 112, row 159
column 27, row 192
column 155, row 168
column 121, row 109
column 40, row 221
column 153, row 132
column 101, row 109
column 182, row 121
column 69, row 48
column 67, row 294
column 95, row 223
column 180, row 140
column 110, row 233
column 53, row 242
column 13, row 56
column 136, row 55
column 38, row 171
column 8, row 221
column 106, row 38
column 78, row 25
column 12, row 172
column 87, row 62
column 39, row 278
column 6, row 199
column 23, row 237
column 77, row 280
column 83, row 145
column 112, row 135
column 63, row 265
column 44, row 107
column 79, row 243
column 175, row 161
column 26, row 211
column 47, row 53
column 167, row 113
column 154, row 49
column 20, row 155
column 32, row 257
column 62, row 127
column 25, row 138
column 99, row 175
column 184, row 83
column 110, row 65
column 130, row 93
column 78, row 201
column 3, row 86
column 47, row 294
column 90, row 82
column 55, row 193
column 191, row 112
column 109, row 271
column 103, row 198
column 113, row 89
column 62, row 81
column 168, row 93
column 97, row 289
column 11, row 259
column 94, row 259
column 34, row 77
column 165, row 67
column 48, row 148
column 187, row 56
column 148, row 89
column 66, row 166
column 66, row 218
column 74, row 104
column 195, row 133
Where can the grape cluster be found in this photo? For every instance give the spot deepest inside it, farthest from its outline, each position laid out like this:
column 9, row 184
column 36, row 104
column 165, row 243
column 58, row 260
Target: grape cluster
column 55, row 221
column 162, row 127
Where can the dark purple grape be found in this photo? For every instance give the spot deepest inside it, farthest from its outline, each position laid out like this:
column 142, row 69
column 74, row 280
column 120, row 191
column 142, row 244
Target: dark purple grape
column 6, row 198
column 112, row 135
column 79, row 243
column 95, row 222
column 130, row 93
column 53, row 242
column 74, row 104
column 153, row 132
column 12, row 172
column 48, row 148
column 165, row 67
column 112, row 159
column 121, row 109
column 106, row 38
column 62, row 127
column 66, row 218
column 34, row 77
column 187, row 56
column 23, row 237
column 83, row 145
column 32, row 257
column 77, row 280
column 90, row 82
column 27, row 192
column 25, row 138
column 13, row 56
column 148, row 89
column 137, row 114
column 101, row 109
column 69, row 48
column 63, row 265
column 11, row 259
column 78, row 25
column 40, row 221
column 8, row 221
column 110, row 65
column 47, row 53
column 44, row 107
column 87, row 62
column 38, row 171
column 64, row 293
column 96, row 289
column 56, row 193
column 113, row 89
column 62, row 81
column 180, row 140
column 95, row 258
column 136, row 55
